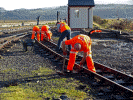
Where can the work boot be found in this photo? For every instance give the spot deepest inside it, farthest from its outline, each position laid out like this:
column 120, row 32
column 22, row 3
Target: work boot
column 67, row 71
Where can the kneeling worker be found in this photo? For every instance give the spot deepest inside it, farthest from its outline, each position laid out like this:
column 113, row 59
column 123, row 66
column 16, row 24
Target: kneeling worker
column 79, row 43
column 36, row 30
column 45, row 33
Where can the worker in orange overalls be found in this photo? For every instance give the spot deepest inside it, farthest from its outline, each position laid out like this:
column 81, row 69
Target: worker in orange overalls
column 36, row 30
column 45, row 33
column 79, row 43
column 65, row 31
column 58, row 25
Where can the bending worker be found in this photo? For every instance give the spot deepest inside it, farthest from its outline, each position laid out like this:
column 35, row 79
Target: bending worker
column 45, row 33
column 79, row 43
column 36, row 30
column 65, row 31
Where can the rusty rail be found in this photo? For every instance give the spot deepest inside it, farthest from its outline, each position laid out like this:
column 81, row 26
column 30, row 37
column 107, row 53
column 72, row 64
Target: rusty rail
column 7, row 40
column 101, row 70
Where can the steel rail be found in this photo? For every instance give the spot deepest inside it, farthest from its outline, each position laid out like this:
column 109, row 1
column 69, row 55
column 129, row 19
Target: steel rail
column 11, row 39
column 103, row 69
column 6, row 38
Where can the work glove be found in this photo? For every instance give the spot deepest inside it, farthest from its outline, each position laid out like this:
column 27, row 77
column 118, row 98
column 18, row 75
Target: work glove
column 64, row 53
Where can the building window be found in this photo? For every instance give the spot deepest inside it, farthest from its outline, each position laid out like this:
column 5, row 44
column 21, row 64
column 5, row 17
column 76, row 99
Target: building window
column 76, row 13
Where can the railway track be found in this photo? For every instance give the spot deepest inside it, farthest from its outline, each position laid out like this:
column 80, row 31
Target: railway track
column 110, row 83
column 7, row 40
column 11, row 32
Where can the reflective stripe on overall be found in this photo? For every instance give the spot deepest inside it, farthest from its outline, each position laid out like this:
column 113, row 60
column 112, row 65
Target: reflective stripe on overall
column 89, row 62
column 71, row 61
column 72, row 58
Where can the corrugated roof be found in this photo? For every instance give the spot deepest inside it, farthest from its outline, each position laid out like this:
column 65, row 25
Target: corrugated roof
column 81, row 3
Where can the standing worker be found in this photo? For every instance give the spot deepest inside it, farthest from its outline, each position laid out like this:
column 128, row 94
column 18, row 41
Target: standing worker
column 65, row 31
column 36, row 30
column 58, row 25
column 79, row 43
column 45, row 32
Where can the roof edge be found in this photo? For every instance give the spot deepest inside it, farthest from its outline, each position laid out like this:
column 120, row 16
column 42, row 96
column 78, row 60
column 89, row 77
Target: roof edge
column 81, row 6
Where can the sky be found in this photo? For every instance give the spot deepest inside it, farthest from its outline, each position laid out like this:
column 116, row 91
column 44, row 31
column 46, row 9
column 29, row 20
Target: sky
column 32, row 4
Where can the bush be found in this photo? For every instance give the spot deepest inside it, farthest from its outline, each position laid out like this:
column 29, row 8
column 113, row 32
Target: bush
column 98, row 20
column 117, row 24
column 124, row 24
column 104, row 21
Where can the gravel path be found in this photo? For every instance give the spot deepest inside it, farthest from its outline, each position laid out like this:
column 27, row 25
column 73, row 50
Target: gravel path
column 114, row 53
column 16, row 63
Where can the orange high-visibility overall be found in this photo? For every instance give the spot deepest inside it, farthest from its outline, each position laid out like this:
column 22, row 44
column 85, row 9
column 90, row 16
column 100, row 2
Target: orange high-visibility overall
column 60, row 26
column 43, row 30
column 85, row 42
column 48, row 34
column 63, row 27
column 36, row 30
column 42, row 36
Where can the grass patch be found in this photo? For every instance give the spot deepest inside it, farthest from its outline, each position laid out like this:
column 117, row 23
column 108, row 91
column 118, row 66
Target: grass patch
column 45, row 86
column 8, row 70
column 42, row 71
column 113, row 24
column 56, row 38
column 39, row 91
column 19, row 93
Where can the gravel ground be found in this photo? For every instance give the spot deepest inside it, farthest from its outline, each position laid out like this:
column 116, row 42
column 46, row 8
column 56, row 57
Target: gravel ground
column 116, row 54
column 111, row 52
column 15, row 63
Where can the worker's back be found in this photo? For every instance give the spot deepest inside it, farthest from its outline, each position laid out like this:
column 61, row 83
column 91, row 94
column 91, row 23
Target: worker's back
column 84, row 40
column 63, row 27
column 44, row 28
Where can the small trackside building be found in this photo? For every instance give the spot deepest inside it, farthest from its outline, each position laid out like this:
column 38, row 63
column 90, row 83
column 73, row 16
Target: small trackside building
column 80, row 14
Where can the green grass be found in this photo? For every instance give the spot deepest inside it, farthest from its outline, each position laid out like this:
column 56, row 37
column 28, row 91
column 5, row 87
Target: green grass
column 46, row 86
column 16, row 21
column 43, row 71
column 22, row 92
column 109, row 23
column 8, row 70
column 19, row 93
column 51, row 23
column 56, row 38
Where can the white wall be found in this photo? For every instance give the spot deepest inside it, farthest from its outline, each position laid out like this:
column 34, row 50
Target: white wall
column 91, row 17
column 82, row 21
